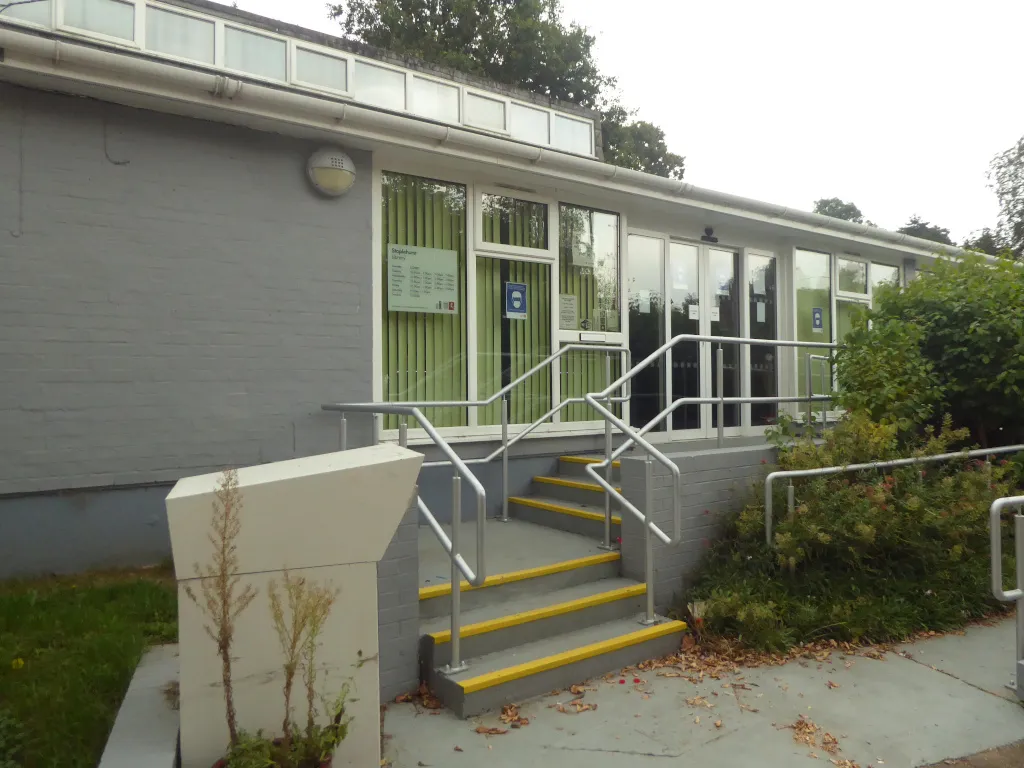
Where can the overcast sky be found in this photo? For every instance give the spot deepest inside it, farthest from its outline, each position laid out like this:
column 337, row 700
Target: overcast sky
column 897, row 105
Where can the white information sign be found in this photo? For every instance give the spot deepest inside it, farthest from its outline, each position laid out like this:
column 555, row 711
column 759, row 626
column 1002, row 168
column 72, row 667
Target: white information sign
column 644, row 302
column 716, row 314
column 423, row 280
column 694, row 311
column 582, row 254
column 568, row 313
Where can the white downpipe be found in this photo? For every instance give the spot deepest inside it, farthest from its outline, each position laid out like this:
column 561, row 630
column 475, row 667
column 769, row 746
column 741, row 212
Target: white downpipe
column 326, row 113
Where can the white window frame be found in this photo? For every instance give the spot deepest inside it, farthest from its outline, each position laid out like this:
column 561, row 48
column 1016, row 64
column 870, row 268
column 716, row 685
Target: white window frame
column 333, row 53
column 590, row 133
column 411, row 77
column 866, row 296
column 222, row 47
column 218, row 35
column 548, row 255
column 139, row 43
column 466, row 93
column 354, row 81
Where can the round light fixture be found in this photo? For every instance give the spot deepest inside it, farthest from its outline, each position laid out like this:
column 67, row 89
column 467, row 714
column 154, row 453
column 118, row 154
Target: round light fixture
column 331, row 172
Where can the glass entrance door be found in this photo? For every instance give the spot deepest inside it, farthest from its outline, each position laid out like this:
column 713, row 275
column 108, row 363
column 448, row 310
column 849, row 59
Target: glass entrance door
column 646, row 297
column 684, row 274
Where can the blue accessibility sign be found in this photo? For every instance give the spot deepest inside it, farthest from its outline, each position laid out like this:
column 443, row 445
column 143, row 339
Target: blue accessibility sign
column 818, row 320
column 515, row 301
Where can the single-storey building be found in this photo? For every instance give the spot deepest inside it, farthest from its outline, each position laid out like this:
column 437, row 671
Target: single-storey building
column 213, row 223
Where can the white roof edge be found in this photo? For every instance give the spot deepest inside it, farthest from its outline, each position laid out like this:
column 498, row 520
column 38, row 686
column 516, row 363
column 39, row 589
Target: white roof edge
column 85, row 62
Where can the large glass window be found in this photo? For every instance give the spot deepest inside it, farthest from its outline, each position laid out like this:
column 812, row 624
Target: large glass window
column 106, row 17
column 684, row 297
column 527, row 124
column 853, row 276
column 424, row 328
column 258, row 54
column 723, row 269
column 179, row 35
column 572, row 135
column 485, row 113
column 588, row 269
column 884, row 274
column 646, row 302
column 764, row 370
column 512, row 222
column 510, row 343
column 812, row 274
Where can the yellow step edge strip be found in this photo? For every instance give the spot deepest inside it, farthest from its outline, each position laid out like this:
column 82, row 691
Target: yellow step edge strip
column 440, row 590
column 547, row 612
column 572, row 484
column 548, row 506
column 491, row 679
column 586, row 460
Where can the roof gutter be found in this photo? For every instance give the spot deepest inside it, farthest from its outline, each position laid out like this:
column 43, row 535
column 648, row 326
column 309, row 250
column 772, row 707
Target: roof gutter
column 136, row 72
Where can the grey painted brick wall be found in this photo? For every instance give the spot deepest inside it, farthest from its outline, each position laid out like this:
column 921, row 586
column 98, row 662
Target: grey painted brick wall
column 174, row 297
column 715, row 483
column 398, row 618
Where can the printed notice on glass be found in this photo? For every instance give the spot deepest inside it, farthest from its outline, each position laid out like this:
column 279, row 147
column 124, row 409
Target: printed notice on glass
column 582, row 254
column 423, row 280
column 694, row 311
column 643, row 302
column 716, row 314
column 760, row 312
column 568, row 312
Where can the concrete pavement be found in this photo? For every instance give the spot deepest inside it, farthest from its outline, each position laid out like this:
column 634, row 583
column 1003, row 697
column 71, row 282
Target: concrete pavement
column 897, row 712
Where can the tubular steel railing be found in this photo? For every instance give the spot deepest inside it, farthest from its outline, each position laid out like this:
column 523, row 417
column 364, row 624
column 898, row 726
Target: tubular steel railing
column 1014, row 595
column 459, row 565
column 822, row 471
column 636, row 437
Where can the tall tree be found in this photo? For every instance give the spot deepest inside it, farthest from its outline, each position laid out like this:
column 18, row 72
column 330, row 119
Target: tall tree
column 1007, row 175
column 517, row 42
column 918, row 227
column 986, row 241
column 839, row 209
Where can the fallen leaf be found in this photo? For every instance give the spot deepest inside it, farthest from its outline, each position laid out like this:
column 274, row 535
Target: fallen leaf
column 403, row 698
column 688, row 642
column 832, row 685
column 491, row 731
column 830, row 743
column 458, row 749
column 510, row 716
column 718, row 723
column 697, row 720
column 700, row 701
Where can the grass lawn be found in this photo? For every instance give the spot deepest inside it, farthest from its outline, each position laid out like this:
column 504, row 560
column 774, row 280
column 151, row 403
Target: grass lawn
column 68, row 648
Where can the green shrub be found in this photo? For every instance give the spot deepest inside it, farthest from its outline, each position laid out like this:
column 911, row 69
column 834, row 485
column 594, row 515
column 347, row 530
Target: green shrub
column 951, row 342
column 869, row 556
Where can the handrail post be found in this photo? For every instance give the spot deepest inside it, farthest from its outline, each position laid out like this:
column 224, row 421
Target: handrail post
column 768, row 511
column 608, row 459
column 504, row 459
column 375, row 429
column 810, row 389
column 790, row 500
column 456, row 664
column 648, row 540
column 403, row 432
column 649, row 617
column 721, row 395
column 343, row 432
column 1018, row 667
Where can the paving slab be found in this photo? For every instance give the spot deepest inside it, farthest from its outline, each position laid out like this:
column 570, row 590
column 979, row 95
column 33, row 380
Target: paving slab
column 983, row 659
column 894, row 712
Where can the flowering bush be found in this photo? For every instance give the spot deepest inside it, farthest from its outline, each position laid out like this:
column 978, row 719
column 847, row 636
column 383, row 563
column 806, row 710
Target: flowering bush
column 868, row 556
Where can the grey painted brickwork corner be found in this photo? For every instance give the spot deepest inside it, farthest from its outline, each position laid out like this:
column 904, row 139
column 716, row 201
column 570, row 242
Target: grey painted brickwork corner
column 715, row 484
column 398, row 606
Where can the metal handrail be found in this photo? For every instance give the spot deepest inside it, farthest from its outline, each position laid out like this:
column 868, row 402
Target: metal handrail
column 450, row 545
column 635, row 437
column 822, row 471
column 1014, row 595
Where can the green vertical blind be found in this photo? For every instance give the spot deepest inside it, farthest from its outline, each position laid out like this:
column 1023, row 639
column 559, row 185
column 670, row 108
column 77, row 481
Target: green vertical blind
column 813, row 277
column 425, row 354
column 518, row 223
column 583, row 372
column 528, row 341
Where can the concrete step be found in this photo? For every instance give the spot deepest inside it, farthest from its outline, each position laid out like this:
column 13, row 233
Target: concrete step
column 435, row 600
column 508, row 623
column 584, row 519
column 575, row 467
column 537, row 667
column 571, row 490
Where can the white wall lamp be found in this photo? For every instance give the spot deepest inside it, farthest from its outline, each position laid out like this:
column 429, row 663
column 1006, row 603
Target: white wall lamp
column 331, row 172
